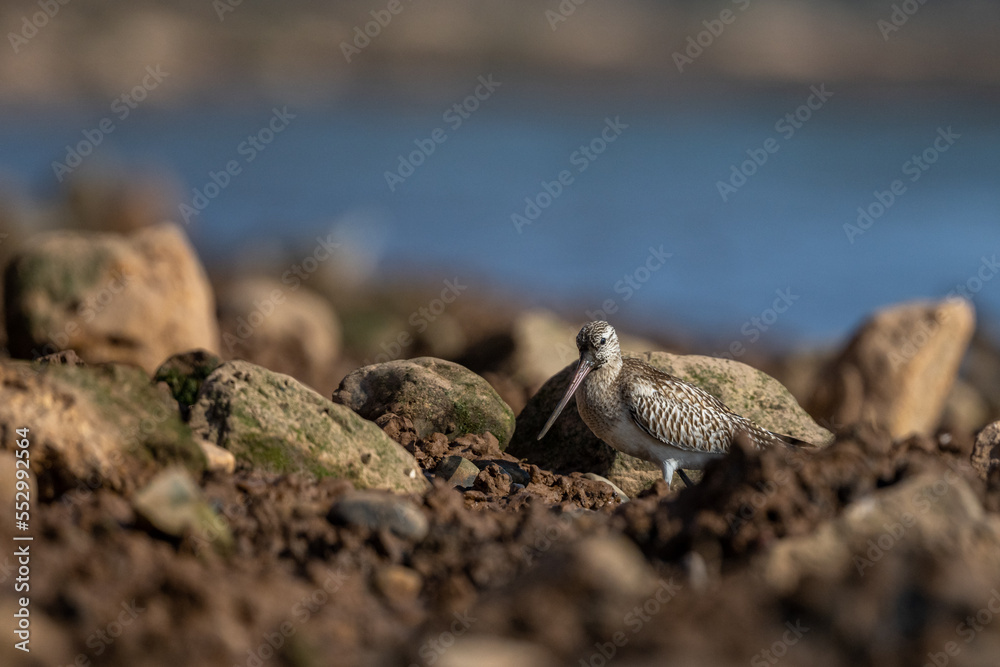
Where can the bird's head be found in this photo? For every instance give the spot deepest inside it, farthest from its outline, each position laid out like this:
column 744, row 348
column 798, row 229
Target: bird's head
column 598, row 345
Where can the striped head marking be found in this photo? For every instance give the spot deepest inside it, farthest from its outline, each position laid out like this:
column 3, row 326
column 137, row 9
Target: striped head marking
column 598, row 343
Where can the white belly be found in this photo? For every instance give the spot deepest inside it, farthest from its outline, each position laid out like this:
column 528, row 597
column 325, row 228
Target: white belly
column 625, row 436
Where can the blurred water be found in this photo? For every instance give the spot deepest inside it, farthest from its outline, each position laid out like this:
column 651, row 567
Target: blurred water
column 654, row 186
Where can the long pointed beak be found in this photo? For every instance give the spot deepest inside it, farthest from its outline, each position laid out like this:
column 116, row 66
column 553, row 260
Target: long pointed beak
column 581, row 372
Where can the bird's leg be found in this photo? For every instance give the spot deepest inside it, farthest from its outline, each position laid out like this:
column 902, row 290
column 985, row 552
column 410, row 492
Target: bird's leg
column 687, row 480
column 669, row 466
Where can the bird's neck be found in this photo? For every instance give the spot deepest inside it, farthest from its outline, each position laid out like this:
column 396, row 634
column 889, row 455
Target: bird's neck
column 605, row 376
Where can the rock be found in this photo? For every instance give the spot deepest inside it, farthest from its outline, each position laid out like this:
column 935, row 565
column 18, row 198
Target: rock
column 437, row 395
column 927, row 514
column 98, row 426
column 571, row 446
column 184, row 373
column 618, row 492
column 986, row 452
column 457, row 471
column 398, row 583
column 217, row 459
column 273, row 422
column 134, row 299
column 487, row 651
column 378, row 510
column 174, row 505
column 290, row 330
column 897, row 370
column 965, row 409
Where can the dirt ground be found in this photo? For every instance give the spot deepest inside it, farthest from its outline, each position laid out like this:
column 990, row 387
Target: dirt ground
column 556, row 565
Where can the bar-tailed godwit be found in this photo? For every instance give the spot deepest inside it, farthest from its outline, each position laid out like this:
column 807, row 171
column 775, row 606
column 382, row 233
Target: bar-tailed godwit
column 649, row 414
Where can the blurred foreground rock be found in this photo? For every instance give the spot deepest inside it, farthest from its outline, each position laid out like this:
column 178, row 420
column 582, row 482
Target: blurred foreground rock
column 273, row 422
column 92, row 427
column 134, row 299
column 933, row 513
column 897, row 370
column 288, row 330
column 571, row 445
column 436, row 395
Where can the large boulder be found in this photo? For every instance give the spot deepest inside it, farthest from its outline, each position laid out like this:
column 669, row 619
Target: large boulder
column 896, row 372
column 286, row 328
column 570, row 445
column 437, row 395
column 273, row 422
column 933, row 513
column 92, row 427
column 135, row 299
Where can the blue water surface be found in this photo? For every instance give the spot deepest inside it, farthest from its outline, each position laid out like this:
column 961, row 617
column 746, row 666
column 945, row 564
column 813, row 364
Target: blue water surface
column 654, row 190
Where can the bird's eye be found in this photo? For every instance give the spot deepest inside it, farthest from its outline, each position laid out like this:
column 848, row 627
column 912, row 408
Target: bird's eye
column 603, row 340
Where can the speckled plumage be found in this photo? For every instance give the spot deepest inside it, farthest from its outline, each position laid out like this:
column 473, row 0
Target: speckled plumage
column 649, row 414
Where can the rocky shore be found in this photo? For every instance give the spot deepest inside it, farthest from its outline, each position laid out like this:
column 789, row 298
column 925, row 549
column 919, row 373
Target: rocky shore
column 218, row 477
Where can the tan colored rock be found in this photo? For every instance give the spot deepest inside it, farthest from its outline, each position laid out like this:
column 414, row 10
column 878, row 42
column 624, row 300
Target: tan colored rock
column 965, row 409
column 217, row 459
column 135, row 299
column 931, row 513
column 897, row 370
column 91, row 426
column 287, row 329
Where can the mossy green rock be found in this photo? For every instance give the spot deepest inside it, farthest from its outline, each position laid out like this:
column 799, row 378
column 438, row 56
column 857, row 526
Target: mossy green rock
column 274, row 422
column 184, row 374
column 93, row 426
column 437, row 395
column 571, row 446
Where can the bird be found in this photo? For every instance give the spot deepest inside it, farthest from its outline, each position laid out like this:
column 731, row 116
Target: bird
column 649, row 414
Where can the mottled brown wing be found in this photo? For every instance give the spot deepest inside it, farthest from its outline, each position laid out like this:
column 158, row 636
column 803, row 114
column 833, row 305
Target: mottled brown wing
column 678, row 413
